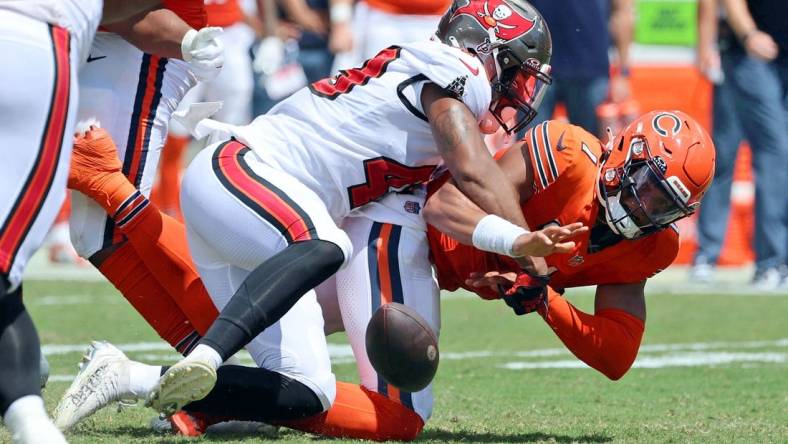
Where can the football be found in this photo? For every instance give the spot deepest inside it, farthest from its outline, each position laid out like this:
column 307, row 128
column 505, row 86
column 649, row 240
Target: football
column 402, row 347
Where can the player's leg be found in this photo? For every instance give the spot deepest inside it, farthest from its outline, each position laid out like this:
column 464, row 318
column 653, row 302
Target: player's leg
column 151, row 236
column 293, row 379
column 238, row 205
column 390, row 264
column 111, row 95
column 38, row 97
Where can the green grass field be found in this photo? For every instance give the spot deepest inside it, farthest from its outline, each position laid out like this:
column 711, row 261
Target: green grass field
column 712, row 369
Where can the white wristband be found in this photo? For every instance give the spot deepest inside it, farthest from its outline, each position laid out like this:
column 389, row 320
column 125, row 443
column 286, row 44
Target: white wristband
column 341, row 13
column 186, row 44
column 496, row 235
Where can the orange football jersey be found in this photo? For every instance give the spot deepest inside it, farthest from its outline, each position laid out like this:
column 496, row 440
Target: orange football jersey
column 413, row 7
column 191, row 11
column 223, row 12
column 565, row 163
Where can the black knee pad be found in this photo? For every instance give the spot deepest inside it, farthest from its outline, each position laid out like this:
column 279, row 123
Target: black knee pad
column 270, row 291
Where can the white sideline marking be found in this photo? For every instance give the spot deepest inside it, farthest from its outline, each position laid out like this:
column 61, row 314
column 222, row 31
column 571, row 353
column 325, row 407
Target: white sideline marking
column 689, row 359
column 340, row 351
column 68, row 299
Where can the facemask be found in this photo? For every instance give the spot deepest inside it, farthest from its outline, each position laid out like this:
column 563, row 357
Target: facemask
column 618, row 220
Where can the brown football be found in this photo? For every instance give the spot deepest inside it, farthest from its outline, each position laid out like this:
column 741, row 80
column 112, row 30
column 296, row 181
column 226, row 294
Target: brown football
column 402, row 347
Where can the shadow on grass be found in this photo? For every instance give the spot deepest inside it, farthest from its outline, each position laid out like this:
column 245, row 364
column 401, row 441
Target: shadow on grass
column 468, row 436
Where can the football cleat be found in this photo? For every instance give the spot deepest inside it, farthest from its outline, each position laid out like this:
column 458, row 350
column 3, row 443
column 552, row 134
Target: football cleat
column 197, row 424
column 187, row 381
column 103, row 374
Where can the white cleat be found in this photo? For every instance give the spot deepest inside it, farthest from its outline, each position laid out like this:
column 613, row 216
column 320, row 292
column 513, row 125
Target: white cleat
column 102, row 375
column 188, row 380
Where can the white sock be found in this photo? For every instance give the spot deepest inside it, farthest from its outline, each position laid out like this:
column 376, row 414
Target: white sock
column 25, row 410
column 205, row 353
column 142, row 378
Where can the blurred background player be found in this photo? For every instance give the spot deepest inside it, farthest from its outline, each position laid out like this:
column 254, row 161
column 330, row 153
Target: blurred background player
column 137, row 72
column 582, row 33
column 750, row 104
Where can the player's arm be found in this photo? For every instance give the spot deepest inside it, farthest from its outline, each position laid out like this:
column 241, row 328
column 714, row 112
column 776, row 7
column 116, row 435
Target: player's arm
column 608, row 340
column 116, row 10
column 460, row 143
column 158, row 31
column 161, row 32
column 452, row 212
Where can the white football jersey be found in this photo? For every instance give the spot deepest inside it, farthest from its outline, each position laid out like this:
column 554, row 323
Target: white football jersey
column 361, row 134
column 80, row 17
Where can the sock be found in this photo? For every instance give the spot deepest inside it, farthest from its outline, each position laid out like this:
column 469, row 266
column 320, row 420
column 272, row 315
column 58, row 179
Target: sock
column 270, row 291
column 130, row 275
column 358, row 413
column 142, row 378
column 20, row 350
column 607, row 341
column 160, row 241
column 25, row 410
column 170, row 167
column 257, row 394
column 205, row 353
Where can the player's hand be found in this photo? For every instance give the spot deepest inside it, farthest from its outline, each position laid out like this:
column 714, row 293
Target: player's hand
column 761, row 46
column 204, row 52
column 527, row 294
column 493, row 280
column 548, row 240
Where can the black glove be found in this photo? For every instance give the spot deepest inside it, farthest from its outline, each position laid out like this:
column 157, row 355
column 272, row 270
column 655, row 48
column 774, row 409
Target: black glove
column 528, row 294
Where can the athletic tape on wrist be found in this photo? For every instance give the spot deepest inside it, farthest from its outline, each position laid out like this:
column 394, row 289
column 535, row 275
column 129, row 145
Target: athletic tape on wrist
column 496, row 235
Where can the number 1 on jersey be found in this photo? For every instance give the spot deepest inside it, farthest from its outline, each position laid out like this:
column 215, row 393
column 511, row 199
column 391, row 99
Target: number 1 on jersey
column 384, row 175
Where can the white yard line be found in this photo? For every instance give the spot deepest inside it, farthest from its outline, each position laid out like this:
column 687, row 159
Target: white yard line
column 689, row 359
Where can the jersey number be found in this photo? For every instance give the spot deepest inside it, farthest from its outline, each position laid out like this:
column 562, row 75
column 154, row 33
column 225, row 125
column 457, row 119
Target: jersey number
column 342, row 83
column 384, row 175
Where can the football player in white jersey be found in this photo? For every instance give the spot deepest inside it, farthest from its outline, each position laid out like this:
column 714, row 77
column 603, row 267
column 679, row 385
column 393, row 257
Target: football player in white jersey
column 262, row 223
column 262, row 204
column 44, row 42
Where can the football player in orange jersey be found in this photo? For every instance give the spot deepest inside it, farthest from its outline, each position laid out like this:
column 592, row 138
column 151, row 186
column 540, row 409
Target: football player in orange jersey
column 629, row 193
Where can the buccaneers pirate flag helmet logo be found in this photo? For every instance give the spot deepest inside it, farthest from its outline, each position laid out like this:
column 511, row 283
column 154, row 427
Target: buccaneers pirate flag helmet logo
column 504, row 22
column 512, row 41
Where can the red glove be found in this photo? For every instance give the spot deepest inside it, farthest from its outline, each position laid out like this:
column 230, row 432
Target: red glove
column 528, row 294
